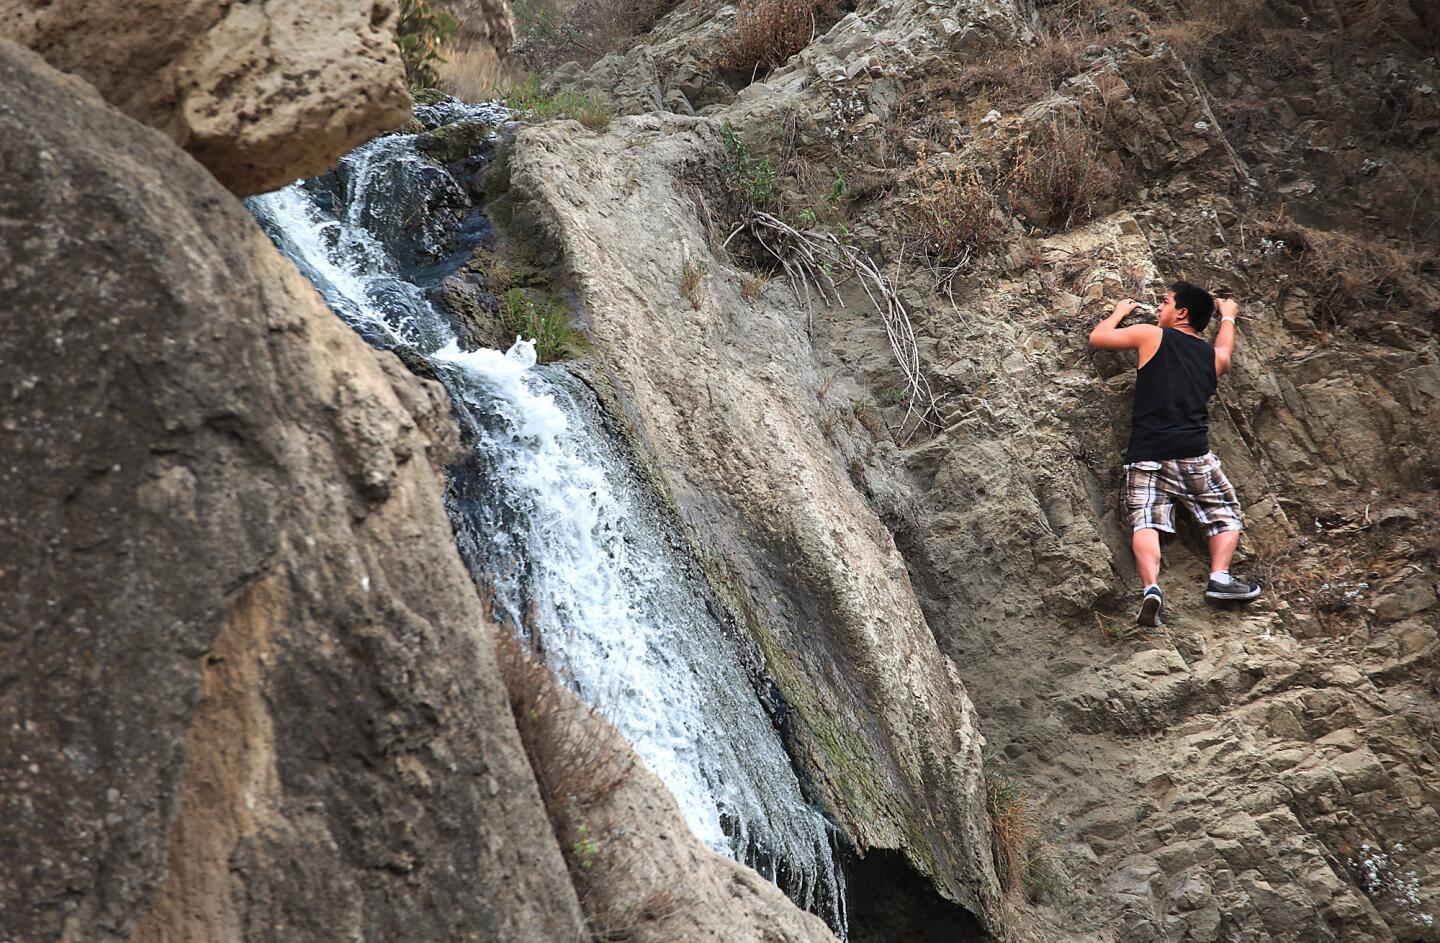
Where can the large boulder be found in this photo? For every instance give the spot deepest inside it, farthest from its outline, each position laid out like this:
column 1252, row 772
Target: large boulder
column 246, row 691
column 260, row 93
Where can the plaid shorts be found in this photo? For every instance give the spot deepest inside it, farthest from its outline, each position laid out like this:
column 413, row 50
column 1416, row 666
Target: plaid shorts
column 1153, row 488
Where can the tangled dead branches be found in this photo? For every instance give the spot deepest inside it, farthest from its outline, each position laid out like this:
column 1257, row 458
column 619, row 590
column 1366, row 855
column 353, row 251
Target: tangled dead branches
column 811, row 260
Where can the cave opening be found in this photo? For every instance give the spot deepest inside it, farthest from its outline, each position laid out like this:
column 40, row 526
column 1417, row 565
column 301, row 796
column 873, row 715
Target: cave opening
column 890, row 902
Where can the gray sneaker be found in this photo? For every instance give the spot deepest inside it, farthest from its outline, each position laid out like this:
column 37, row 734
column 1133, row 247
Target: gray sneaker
column 1152, row 605
column 1237, row 590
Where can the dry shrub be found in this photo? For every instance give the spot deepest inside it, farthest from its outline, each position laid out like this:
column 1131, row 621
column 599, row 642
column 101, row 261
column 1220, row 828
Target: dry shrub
column 582, row 30
column 1012, row 77
column 613, row 21
column 954, row 212
column 1020, row 859
column 1346, row 272
column 1210, row 23
column 576, row 764
column 752, row 288
column 767, row 32
column 692, row 280
column 470, row 73
column 1056, row 176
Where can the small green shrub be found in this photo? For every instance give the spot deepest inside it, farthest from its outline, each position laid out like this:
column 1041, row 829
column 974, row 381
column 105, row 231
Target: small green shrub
column 527, row 97
column 584, row 849
column 547, row 323
column 751, row 179
column 423, row 34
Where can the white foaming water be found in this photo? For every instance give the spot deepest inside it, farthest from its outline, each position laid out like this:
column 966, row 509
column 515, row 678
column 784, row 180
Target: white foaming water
column 551, row 516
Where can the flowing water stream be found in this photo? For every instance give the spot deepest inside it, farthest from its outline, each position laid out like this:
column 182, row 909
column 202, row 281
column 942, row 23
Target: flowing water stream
column 577, row 553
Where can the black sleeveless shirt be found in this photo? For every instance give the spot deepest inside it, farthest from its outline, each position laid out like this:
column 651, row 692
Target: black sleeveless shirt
column 1172, row 394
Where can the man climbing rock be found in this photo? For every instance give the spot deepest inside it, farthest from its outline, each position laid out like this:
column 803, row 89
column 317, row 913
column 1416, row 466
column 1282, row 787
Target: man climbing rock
column 1169, row 459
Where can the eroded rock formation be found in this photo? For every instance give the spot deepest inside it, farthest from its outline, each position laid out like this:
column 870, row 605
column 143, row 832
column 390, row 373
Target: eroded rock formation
column 260, row 93
column 229, row 708
column 725, row 394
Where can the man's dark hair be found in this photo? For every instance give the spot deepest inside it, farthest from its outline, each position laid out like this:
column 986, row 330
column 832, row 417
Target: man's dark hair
column 1198, row 303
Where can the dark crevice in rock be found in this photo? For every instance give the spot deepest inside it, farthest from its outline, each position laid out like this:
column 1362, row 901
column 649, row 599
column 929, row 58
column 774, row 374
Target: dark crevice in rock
column 891, row 903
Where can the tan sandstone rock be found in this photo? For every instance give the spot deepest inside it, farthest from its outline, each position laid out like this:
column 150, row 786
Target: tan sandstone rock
column 260, row 93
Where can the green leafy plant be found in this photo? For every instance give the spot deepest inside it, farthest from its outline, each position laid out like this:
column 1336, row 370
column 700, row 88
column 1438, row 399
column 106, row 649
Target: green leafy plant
column 752, row 179
column 423, row 35
column 546, row 322
column 584, row 848
column 528, row 98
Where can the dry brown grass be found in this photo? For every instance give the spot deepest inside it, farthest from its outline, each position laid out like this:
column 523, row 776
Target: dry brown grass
column 692, row 281
column 1012, row 77
column 1348, row 273
column 767, row 32
column 954, row 213
column 579, row 762
column 752, row 287
column 554, row 32
column 470, row 72
column 1056, row 175
column 1206, row 24
column 574, row 763
column 1015, row 841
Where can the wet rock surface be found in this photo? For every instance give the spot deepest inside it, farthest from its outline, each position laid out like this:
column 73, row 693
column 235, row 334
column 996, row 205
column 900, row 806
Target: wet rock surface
column 723, row 393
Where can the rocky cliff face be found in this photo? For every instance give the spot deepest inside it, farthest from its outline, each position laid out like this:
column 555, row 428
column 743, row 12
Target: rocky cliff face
column 1257, row 774
column 724, row 392
column 234, row 712
column 232, row 707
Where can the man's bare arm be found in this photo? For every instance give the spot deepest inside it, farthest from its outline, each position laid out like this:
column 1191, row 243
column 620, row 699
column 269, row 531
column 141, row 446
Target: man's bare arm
column 1108, row 335
column 1225, row 337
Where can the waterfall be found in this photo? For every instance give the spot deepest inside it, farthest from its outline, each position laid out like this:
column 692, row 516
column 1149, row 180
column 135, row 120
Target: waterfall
column 574, row 547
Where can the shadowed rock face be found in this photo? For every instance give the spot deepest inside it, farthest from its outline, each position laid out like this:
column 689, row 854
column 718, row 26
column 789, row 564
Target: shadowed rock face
column 260, row 93
column 245, row 688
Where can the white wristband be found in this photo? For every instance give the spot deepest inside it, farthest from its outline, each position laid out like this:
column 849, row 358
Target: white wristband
column 1227, row 318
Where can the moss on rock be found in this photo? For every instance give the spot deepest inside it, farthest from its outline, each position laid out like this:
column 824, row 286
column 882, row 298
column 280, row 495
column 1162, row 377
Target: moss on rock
column 454, row 141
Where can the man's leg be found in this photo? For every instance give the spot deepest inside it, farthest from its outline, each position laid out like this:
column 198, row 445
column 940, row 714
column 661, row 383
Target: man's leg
column 1211, row 498
column 1146, row 544
column 1222, row 549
